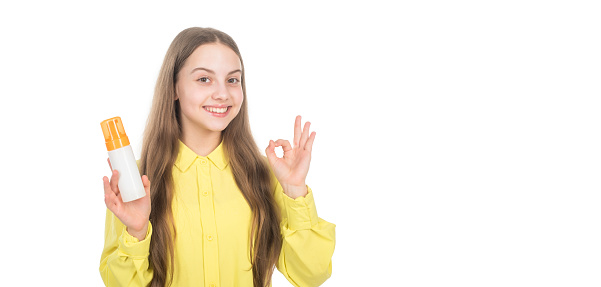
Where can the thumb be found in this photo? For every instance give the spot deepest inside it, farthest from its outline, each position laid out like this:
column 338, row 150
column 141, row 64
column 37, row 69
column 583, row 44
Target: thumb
column 146, row 183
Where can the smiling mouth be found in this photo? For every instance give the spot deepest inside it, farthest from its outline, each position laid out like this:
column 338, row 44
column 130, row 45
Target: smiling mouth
column 216, row 110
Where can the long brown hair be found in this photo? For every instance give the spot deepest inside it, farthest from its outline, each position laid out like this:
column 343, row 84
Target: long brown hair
column 251, row 172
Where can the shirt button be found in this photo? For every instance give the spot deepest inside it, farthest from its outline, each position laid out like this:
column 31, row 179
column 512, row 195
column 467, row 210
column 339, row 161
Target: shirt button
column 203, row 161
column 205, row 193
column 212, row 285
column 210, row 237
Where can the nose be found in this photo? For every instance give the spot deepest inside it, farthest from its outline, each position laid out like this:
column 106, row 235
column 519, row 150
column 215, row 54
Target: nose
column 221, row 93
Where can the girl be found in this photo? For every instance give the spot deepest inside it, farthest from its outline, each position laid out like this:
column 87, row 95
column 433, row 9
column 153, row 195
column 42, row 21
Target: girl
column 217, row 213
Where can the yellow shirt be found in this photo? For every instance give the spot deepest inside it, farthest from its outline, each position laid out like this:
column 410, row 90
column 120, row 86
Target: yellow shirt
column 213, row 221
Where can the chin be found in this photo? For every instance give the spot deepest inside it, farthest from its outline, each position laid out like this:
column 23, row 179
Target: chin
column 218, row 129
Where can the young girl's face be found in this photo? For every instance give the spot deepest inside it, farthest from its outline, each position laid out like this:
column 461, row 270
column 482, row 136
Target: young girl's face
column 209, row 89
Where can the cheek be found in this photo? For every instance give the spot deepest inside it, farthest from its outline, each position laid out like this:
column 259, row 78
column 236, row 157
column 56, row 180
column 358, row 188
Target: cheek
column 189, row 105
column 239, row 97
column 193, row 99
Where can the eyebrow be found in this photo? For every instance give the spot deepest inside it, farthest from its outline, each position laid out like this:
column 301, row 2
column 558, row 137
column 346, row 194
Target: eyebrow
column 213, row 72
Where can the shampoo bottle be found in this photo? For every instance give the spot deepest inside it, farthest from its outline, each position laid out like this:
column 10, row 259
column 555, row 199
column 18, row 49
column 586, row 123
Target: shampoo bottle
column 122, row 159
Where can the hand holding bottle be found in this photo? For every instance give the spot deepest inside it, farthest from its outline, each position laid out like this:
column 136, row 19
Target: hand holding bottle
column 128, row 198
column 133, row 214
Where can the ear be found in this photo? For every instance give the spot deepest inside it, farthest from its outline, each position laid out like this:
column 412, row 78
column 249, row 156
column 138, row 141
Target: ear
column 176, row 93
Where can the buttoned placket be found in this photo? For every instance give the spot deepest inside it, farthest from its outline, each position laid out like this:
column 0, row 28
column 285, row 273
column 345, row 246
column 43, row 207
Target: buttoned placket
column 207, row 218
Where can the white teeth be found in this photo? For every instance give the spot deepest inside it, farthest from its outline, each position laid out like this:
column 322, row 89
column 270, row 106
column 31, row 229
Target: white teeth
column 216, row 110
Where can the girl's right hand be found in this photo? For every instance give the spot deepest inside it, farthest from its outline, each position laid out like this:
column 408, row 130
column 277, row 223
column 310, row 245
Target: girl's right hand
column 134, row 214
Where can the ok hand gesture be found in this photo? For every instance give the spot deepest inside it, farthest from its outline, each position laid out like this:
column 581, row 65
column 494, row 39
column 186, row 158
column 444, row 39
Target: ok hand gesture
column 291, row 170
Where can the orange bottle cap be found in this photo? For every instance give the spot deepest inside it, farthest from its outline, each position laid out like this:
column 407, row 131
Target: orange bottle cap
column 114, row 134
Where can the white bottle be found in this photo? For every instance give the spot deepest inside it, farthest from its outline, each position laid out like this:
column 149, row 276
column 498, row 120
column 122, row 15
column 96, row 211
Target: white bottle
column 122, row 159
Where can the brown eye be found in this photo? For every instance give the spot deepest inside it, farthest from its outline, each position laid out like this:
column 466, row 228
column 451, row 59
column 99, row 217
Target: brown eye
column 203, row 80
column 233, row 81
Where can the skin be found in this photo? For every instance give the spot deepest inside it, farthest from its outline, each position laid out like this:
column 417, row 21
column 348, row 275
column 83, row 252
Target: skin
column 217, row 84
column 194, row 89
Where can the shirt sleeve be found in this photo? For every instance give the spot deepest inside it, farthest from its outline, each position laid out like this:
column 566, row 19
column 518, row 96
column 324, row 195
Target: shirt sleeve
column 308, row 241
column 124, row 260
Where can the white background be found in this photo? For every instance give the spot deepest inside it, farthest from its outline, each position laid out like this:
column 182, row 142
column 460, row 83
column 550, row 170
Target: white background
column 457, row 141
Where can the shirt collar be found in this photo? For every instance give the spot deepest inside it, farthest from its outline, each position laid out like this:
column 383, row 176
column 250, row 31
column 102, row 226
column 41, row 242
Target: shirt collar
column 186, row 157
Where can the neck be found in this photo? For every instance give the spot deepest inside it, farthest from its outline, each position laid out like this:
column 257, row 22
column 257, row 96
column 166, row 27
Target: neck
column 202, row 145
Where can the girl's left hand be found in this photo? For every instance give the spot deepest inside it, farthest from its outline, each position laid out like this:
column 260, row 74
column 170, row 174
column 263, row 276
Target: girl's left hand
column 291, row 170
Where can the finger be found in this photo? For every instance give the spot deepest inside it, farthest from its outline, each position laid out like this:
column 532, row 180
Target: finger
column 270, row 152
column 146, row 183
column 109, row 161
column 109, row 196
column 305, row 135
column 115, row 182
column 309, row 144
column 111, row 201
column 284, row 144
column 107, row 185
column 297, row 131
